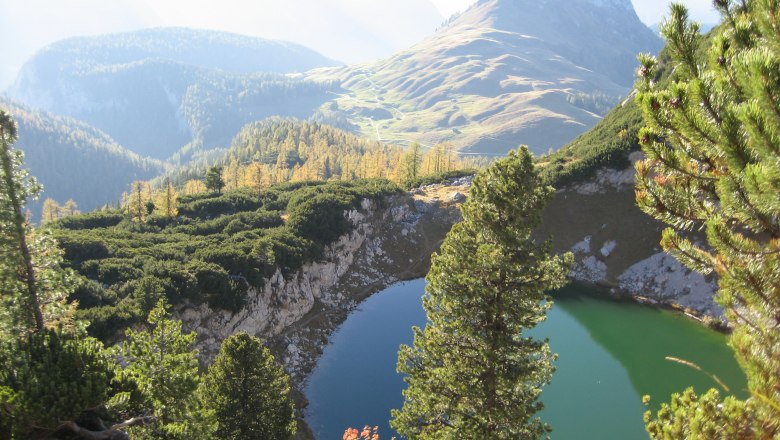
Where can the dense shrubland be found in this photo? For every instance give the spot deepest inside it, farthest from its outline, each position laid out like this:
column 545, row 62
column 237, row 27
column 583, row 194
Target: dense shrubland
column 217, row 247
column 58, row 382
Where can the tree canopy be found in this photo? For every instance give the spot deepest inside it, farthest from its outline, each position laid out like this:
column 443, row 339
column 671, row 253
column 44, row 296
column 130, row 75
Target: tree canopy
column 712, row 142
column 248, row 392
column 473, row 372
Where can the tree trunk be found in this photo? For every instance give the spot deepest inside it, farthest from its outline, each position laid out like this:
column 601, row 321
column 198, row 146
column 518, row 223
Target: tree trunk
column 19, row 229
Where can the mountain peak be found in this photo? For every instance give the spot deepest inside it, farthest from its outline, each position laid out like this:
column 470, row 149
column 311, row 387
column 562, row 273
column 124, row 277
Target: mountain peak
column 600, row 35
column 502, row 73
column 623, row 4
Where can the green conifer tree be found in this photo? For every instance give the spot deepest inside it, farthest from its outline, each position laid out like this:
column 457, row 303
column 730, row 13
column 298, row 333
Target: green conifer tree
column 472, row 372
column 248, row 393
column 163, row 364
column 48, row 377
column 713, row 162
column 18, row 274
column 33, row 286
column 214, row 181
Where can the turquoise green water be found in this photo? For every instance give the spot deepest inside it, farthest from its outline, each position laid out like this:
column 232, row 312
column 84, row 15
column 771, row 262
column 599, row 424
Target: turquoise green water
column 610, row 354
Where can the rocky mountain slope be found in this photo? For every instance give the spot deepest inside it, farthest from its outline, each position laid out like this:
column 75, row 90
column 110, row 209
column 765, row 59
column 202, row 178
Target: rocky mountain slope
column 75, row 160
column 616, row 245
column 503, row 73
column 157, row 90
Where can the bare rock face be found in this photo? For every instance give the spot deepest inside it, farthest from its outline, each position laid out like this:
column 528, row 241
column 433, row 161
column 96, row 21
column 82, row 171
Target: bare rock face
column 664, row 279
column 391, row 241
column 280, row 302
column 617, row 246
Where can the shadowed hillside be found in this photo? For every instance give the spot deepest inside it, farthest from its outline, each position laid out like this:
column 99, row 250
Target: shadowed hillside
column 158, row 90
column 74, row 160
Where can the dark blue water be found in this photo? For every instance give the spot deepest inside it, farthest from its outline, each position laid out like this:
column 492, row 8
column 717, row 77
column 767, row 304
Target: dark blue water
column 610, row 354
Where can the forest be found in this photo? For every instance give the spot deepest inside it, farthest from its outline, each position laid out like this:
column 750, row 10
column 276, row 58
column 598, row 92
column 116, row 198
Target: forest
column 277, row 150
column 90, row 348
column 74, row 160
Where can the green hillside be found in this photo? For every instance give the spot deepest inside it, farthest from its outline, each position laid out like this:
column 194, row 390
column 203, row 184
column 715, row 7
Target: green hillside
column 157, row 90
column 75, row 160
column 609, row 142
column 217, row 247
column 502, row 73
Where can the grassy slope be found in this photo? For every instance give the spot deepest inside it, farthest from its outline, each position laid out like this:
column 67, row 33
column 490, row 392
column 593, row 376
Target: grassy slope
column 485, row 85
column 609, row 143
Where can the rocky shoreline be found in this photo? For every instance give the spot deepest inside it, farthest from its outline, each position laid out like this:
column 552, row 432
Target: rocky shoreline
column 616, row 246
column 393, row 240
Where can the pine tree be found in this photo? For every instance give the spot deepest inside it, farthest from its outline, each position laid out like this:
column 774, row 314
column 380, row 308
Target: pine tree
column 256, row 177
column 166, row 201
column 713, row 162
column 34, row 287
column 472, row 373
column 51, row 211
column 248, row 392
column 48, row 377
column 214, row 181
column 326, row 172
column 138, row 200
column 193, row 187
column 70, row 208
column 412, row 161
column 163, row 363
column 20, row 286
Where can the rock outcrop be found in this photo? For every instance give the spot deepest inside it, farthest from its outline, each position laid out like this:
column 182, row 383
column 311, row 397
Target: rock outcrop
column 617, row 246
column 392, row 240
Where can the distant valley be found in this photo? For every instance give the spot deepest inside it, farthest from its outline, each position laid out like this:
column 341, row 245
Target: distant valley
column 74, row 160
column 501, row 74
column 159, row 90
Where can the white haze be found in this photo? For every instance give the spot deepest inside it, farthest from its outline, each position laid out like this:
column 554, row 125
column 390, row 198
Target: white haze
column 346, row 30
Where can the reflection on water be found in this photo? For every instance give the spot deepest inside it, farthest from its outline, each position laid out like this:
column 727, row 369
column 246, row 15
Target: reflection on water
column 610, row 354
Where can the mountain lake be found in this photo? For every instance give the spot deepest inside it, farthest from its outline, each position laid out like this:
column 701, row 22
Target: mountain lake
column 610, row 354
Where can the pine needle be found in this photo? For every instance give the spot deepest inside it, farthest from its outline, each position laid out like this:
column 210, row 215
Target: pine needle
column 698, row 368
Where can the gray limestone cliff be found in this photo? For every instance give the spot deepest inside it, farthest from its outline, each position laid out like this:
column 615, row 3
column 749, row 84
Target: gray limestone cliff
column 392, row 240
column 617, row 246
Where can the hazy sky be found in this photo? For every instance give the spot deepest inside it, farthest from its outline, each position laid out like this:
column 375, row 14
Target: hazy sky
column 28, row 25
column 650, row 11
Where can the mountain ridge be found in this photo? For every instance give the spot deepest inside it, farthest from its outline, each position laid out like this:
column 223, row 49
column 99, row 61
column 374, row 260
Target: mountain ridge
column 173, row 82
column 500, row 74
